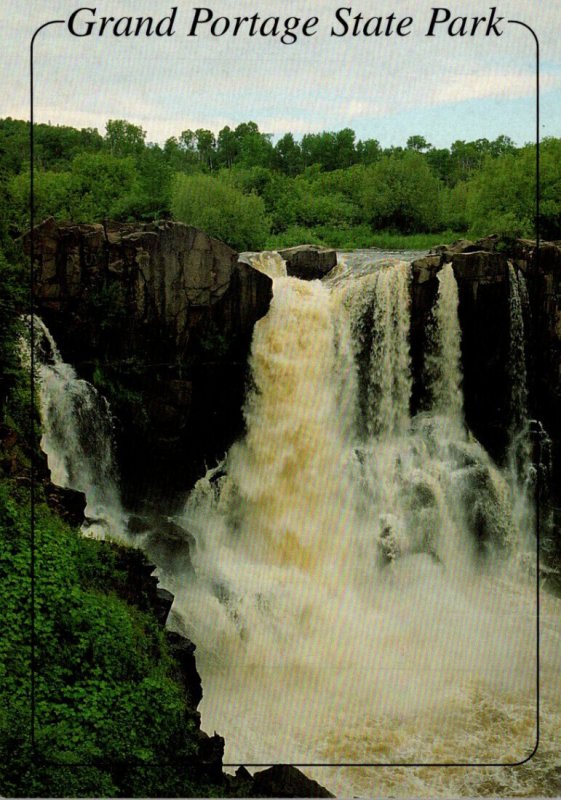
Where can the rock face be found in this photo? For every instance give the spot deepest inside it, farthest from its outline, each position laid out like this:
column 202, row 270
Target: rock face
column 286, row 781
column 308, row 261
column 159, row 317
column 482, row 273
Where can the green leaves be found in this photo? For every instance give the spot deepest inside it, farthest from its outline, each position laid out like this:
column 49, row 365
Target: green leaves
column 103, row 685
column 216, row 206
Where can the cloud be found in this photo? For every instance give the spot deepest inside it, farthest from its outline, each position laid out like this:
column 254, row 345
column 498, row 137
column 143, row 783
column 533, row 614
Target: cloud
column 322, row 83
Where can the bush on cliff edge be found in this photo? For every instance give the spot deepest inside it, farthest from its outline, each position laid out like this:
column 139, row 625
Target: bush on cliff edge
column 220, row 209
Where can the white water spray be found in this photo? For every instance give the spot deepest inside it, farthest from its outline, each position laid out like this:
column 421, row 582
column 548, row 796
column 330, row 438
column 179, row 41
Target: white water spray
column 78, row 438
column 443, row 366
column 353, row 598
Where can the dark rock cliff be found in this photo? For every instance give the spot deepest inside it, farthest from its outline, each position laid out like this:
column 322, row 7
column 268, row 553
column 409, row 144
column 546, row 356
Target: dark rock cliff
column 159, row 317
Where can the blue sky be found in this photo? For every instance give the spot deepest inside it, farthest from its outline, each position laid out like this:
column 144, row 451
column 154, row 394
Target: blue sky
column 443, row 88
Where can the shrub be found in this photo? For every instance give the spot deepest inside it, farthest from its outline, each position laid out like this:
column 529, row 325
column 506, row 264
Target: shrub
column 219, row 208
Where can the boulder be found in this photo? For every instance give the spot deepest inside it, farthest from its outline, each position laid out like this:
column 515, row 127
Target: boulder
column 309, row 261
column 67, row 503
column 162, row 605
column 285, row 781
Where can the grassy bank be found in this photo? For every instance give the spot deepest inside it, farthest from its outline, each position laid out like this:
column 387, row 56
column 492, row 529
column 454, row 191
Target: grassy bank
column 360, row 237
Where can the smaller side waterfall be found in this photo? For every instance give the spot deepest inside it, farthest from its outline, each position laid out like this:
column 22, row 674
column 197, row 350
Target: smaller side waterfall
column 517, row 370
column 522, row 473
column 379, row 308
column 78, row 437
column 443, row 366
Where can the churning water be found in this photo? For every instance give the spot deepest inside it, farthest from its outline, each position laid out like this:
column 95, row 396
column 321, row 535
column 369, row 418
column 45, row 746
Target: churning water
column 363, row 588
column 360, row 595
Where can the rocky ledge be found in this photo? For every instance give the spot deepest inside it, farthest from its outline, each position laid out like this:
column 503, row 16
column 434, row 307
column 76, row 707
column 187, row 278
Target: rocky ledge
column 141, row 588
column 309, row 261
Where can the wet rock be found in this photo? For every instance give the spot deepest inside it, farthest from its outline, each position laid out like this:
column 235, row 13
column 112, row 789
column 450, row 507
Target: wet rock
column 308, row 261
column 170, row 546
column 67, row 503
column 137, row 525
column 183, row 653
column 210, row 753
column 482, row 272
column 163, row 604
column 286, row 781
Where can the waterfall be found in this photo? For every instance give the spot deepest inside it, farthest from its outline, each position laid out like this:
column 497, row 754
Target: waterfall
column 518, row 424
column 443, row 369
column 380, row 318
column 352, row 598
column 522, row 471
column 78, row 437
column 357, row 593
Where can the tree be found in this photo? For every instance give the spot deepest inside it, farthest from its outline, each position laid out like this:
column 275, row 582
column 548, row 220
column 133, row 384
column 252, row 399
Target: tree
column 288, row 155
column 345, row 148
column 227, row 147
column 502, row 196
column 123, row 138
column 400, row 192
column 206, row 144
column 254, row 148
column 418, row 143
column 368, row 151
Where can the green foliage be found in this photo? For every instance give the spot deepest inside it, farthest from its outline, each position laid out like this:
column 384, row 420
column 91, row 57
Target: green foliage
column 219, row 208
column 502, row 196
column 13, row 300
column 400, row 192
column 103, row 689
column 95, row 188
column 242, row 187
column 123, row 138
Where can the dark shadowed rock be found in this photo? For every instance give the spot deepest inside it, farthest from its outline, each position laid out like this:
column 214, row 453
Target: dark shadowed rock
column 159, row 316
column 309, row 261
column 208, row 759
column 163, row 604
column 286, row 781
column 183, row 652
column 68, row 503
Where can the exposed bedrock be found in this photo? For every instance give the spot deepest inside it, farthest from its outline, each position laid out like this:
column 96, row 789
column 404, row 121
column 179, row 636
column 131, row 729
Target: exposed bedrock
column 159, row 317
column 309, row 261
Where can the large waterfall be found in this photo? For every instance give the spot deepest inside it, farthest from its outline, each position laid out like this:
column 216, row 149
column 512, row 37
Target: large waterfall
column 363, row 588
column 356, row 596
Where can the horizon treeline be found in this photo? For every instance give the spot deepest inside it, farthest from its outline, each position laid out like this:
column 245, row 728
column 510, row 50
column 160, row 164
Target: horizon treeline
column 330, row 187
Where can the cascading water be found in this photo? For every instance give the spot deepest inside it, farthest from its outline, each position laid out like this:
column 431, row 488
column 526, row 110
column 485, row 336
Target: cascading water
column 78, row 437
column 379, row 317
column 443, row 370
column 522, row 472
column 518, row 423
column 354, row 597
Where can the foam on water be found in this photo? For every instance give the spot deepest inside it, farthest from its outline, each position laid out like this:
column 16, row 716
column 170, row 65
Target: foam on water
column 357, row 595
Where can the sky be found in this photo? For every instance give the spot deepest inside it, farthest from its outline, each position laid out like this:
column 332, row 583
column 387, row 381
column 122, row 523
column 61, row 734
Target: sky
column 387, row 88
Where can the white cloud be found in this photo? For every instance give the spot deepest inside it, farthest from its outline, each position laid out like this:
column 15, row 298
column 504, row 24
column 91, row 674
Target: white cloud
column 167, row 86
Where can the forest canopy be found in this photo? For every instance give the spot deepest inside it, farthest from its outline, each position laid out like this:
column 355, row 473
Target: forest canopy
column 330, row 187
